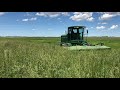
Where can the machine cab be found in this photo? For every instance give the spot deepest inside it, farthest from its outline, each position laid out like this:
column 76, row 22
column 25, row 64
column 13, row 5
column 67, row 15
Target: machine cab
column 75, row 33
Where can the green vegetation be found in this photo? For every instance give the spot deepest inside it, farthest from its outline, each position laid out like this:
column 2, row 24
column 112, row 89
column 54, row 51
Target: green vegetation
column 44, row 58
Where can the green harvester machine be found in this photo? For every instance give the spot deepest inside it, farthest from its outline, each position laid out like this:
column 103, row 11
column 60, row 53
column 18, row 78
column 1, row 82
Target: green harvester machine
column 74, row 40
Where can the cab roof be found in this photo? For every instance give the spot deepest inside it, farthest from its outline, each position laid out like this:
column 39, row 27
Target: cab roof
column 77, row 27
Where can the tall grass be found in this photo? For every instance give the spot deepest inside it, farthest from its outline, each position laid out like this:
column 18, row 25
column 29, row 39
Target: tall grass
column 32, row 58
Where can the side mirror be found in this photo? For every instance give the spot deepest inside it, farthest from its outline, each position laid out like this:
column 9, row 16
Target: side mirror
column 87, row 31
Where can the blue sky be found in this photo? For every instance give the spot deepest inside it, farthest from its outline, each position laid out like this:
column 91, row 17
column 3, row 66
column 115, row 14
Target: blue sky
column 56, row 23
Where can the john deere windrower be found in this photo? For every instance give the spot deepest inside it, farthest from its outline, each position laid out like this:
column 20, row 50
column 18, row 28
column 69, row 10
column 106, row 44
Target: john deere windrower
column 74, row 40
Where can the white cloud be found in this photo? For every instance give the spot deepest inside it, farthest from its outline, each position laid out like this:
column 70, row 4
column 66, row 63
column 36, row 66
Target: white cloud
column 48, row 14
column 52, row 14
column 102, row 23
column 65, row 13
column 41, row 14
column 90, row 19
column 79, row 16
column 100, row 27
column 33, row 29
column 24, row 20
column 2, row 13
column 108, row 15
column 114, row 27
column 31, row 19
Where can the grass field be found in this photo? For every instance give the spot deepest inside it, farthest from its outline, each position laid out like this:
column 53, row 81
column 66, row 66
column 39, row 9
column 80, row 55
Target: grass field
column 44, row 58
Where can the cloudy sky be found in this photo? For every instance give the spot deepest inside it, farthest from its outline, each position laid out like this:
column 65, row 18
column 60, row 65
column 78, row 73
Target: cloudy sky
column 56, row 23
